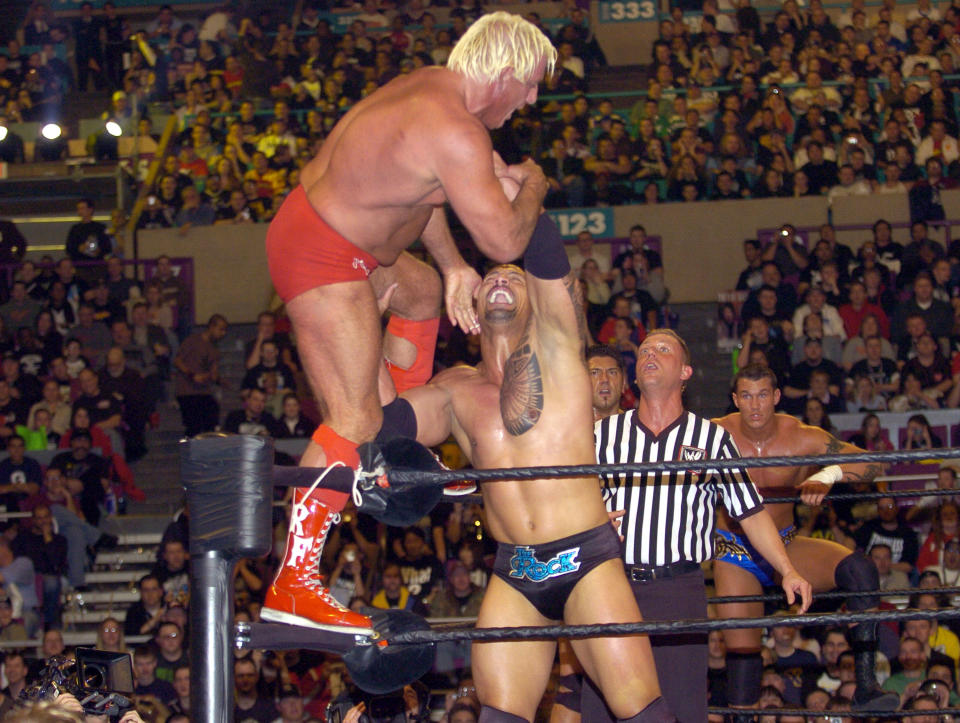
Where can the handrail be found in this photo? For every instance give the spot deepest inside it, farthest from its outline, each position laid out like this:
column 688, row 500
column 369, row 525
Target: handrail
column 162, row 149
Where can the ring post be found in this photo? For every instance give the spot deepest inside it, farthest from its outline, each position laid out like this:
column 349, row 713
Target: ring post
column 229, row 488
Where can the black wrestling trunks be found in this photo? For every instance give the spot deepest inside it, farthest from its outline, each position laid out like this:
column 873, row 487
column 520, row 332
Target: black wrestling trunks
column 546, row 573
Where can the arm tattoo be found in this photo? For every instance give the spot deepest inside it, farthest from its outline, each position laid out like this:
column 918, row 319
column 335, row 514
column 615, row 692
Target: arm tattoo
column 834, row 445
column 576, row 296
column 869, row 474
column 521, row 395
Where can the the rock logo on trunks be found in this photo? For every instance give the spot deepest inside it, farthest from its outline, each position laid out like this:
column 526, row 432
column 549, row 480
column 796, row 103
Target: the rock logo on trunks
column 524, row 564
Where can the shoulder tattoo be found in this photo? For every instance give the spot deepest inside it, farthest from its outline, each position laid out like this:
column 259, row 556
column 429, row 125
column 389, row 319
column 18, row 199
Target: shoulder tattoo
column 834, row 445
column 521, row 396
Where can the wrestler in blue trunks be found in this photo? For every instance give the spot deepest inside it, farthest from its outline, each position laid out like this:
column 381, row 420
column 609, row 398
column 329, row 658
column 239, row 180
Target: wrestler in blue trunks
column 736, row 550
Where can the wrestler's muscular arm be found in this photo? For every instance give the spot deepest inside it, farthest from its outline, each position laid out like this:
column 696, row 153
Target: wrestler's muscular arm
column 463, row 162
column 460, row 281
column 819, row 441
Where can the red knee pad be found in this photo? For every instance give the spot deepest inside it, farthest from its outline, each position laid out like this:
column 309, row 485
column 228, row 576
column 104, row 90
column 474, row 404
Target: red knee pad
column 423, row 335
column 336, row 449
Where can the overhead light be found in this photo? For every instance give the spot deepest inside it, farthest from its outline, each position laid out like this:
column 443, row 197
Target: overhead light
column 114, row 129
column 51, row 131
column 3, row 133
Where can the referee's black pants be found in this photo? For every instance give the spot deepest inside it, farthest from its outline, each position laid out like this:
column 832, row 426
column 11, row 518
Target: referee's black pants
column 681, row 660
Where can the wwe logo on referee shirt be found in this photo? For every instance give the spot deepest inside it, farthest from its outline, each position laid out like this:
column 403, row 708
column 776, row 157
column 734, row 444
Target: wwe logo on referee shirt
column 524, row 564
column 692, row 454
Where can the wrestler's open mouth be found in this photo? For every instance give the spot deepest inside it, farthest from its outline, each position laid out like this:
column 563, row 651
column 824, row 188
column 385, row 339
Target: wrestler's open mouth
column 500, row 295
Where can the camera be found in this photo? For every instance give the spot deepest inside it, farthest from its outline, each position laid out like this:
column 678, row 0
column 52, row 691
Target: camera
column 99, row 679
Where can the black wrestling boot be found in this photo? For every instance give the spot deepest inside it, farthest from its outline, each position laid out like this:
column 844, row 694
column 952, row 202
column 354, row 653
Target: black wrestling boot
column 869, row 697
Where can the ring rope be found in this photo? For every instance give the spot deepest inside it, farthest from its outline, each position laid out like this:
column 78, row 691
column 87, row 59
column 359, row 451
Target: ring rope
column 836, row 594
column 830, row 497
column 673, row 627
column 432, row 477
column 830, row 713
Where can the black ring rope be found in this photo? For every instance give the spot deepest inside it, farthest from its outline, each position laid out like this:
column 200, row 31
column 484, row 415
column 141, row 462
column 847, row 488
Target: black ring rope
column 672, row 627
column 831, row 496
column 432, row 477
column 806, row 713
column 836, row 594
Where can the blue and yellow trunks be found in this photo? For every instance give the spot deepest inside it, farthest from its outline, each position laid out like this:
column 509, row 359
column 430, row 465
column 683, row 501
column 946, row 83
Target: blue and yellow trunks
column 546, row 573
column 736, row 550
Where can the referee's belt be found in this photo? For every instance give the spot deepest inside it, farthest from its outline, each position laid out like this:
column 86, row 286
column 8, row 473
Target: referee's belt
column 648, row 573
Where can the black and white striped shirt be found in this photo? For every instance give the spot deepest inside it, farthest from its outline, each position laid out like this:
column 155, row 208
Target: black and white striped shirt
column 670, row 516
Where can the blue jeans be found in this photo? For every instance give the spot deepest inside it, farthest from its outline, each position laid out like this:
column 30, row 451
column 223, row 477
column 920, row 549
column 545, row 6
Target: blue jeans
column 80, row 535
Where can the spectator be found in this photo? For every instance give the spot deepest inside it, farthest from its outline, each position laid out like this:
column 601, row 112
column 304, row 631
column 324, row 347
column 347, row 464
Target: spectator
column 253, row 418
column 21, row 310
column 793, row 665
column 395, row 595
column 20, row 476
column 912, row 397
column 293, row 424
column 47, row 550
column 913, row 662
column 181, row 684
column 12, row 412
column 145, row 673
column 458, row 598
column 110, row 636
column 887, row 529
column 86, row 475
column 853, row 312
column 19, row 580
column 128, row 388
column 170, row 642
column 248, row 704
column 15, row 671
column 103, row 409
column 870, row 436
column 587, row 250
column 890, row 579
column 937, row 314
column 10, row 630
column 945, row 528
column 270, row 363
column 53, row 403
column 813, row 360
column 924, row 508
column 94, row 336
column 195, row 211
column 816, row 303
column 421, row 571
column 144, row 616
column 197, row 371
column 122, row 289
column 919, row 434
column 879, row 369
column 87, row 240
column 173, row 573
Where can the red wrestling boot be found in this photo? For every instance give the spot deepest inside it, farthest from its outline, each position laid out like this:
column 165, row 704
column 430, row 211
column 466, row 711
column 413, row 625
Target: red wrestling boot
column 298, row 595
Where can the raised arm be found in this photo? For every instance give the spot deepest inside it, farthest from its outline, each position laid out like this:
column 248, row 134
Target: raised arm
column 555, row 295
column 460, row 281
column 464, row 164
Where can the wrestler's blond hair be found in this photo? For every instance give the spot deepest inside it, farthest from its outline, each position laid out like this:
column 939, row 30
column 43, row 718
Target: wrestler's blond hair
column 501, row 40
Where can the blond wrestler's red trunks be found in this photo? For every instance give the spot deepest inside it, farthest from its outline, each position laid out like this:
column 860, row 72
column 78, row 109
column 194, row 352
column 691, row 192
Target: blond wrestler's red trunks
column 303, row 252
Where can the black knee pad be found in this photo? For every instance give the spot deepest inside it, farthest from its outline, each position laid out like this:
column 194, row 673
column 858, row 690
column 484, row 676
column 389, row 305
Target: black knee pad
column 488, row 714
column 399, row 420
column 857, row 573
column 744, row 671
column 656, row 712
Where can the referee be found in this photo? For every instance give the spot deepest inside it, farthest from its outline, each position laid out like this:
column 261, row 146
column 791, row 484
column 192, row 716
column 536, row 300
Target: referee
column 668, row 518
